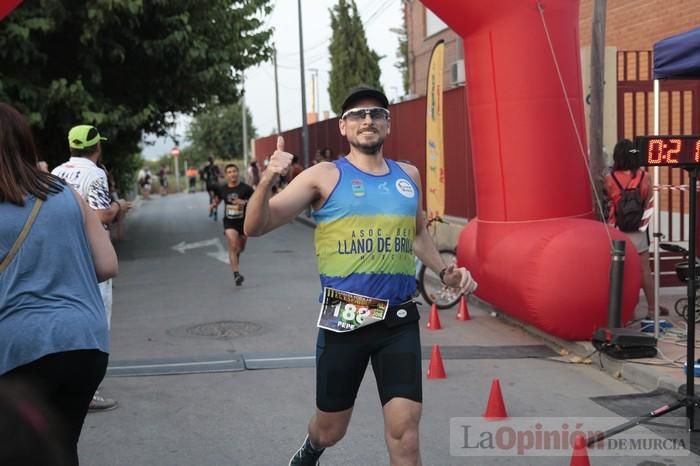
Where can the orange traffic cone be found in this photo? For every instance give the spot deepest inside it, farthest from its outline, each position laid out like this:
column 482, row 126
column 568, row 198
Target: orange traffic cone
column 495, row 408
column 463, row 312
column 436, row 370
column 580, row 455
column 434, row 318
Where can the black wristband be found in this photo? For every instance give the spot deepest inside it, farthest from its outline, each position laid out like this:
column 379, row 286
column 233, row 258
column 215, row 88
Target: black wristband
column 442, row 275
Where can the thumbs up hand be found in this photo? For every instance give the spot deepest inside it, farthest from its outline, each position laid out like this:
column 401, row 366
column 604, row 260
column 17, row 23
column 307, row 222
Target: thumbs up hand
column 280, row 161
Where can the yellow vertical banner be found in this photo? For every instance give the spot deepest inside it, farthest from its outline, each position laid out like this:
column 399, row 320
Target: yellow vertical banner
column 434, row 150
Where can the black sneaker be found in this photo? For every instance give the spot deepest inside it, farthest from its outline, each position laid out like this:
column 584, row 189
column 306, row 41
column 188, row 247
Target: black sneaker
column 239, row 279
column 306, row 455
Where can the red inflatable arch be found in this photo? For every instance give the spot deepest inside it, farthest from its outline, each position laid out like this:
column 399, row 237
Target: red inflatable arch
column 6, row 6
column 533, row 247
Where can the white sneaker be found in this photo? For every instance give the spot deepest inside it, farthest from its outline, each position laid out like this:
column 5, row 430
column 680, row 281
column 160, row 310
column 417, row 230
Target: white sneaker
column 100, row 403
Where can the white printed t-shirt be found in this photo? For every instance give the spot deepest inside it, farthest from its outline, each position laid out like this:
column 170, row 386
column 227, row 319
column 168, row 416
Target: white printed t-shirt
column 88, row 179
column 91, row 183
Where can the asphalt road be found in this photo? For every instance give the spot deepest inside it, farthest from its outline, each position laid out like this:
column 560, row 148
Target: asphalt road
column 176, row 309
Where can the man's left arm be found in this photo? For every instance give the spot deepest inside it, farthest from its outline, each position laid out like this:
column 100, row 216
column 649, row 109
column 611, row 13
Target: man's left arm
column 427, row 252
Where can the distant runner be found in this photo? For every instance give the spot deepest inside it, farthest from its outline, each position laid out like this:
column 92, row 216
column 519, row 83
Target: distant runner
column 235, row 195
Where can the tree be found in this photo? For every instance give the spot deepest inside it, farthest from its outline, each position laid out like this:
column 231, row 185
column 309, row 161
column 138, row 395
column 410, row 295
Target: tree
column 352, row 61
column 219, row 132
column 126, row 66
column 402, row 52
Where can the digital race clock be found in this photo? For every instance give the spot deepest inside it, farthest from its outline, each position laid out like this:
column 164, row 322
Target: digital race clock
column 668, row 150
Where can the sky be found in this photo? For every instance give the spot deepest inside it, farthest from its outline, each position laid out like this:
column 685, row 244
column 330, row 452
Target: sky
column 378, row 17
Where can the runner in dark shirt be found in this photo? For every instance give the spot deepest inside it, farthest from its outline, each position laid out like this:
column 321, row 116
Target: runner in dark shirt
column 211, row 175
column 235, row 195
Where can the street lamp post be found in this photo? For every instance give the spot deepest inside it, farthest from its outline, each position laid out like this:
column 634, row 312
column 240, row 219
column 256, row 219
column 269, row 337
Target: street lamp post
column 305, row 126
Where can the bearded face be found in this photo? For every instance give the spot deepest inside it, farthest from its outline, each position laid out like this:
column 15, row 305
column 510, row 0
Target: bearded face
column 365, row 126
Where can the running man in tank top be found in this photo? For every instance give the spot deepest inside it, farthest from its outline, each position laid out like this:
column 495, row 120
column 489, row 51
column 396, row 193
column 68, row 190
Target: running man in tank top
column 369, row 226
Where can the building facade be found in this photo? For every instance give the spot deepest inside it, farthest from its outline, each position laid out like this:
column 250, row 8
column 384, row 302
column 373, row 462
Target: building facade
column 630, row 25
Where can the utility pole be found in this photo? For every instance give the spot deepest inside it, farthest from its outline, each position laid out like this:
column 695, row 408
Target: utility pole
column 318, row 91
column 175, row 153
column 595, row 139
column 277, row 91
column 305, row 126
column 245, row 123
column 313, row 93
column 314, row 87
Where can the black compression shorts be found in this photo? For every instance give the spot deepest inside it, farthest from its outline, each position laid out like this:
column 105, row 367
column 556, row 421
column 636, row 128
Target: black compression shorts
column 342, row 358
column 234, row 224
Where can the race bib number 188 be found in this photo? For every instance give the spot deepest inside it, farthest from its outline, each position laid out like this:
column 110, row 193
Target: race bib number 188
column 342, row 311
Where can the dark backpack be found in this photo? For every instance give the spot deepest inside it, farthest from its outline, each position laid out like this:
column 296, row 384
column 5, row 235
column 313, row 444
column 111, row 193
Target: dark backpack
column 630, row 207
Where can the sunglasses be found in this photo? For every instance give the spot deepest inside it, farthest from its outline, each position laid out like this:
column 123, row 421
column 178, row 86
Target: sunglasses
column 359, row 114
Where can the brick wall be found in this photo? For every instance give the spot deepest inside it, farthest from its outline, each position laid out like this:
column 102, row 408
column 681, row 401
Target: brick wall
column 637, row 24
column 630, row 25
column 419, row 49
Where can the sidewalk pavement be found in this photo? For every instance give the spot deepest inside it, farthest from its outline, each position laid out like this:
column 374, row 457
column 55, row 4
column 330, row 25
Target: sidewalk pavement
column 665, row 371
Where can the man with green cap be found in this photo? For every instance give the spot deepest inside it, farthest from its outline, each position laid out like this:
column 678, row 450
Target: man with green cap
column 90, row 181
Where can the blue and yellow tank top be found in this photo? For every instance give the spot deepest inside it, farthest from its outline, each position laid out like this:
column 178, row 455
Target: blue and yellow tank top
column 365, row 231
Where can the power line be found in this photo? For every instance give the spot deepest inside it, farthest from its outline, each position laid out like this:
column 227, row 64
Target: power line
column 383, row 7
column 378, row 12
column 291, row 88
column 306, row 49
column 313, row 59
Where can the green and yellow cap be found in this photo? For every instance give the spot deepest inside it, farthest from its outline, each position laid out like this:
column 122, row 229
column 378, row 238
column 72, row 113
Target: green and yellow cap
column 83, row 137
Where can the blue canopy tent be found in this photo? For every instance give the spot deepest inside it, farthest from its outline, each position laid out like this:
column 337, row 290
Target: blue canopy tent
column 676, row 57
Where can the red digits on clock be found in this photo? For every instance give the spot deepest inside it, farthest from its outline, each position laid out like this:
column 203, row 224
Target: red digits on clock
column 655, row 152
column 697, row 151
column 672, row 152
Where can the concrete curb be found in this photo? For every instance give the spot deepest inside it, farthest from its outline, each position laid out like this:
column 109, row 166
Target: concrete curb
column 635, row 373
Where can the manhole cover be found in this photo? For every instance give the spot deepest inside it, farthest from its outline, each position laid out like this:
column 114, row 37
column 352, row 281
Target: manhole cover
column 225, row 329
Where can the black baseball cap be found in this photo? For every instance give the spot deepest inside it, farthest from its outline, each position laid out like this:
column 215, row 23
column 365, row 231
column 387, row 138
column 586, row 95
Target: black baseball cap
column 364, row 92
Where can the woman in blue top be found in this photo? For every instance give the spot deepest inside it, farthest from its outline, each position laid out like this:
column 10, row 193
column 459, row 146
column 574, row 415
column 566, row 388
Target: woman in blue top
column 53, row 326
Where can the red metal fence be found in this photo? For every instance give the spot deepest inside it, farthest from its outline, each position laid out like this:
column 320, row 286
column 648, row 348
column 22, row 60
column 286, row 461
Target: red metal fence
column 406, row 142
column 679, row 105
column 679, row 114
